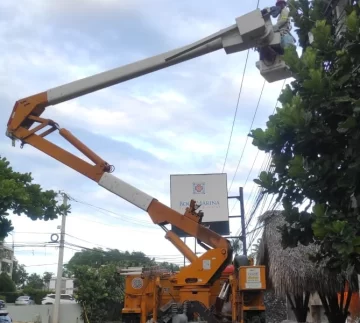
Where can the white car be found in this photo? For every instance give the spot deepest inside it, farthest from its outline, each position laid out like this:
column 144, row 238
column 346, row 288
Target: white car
column 24, row 300
column 64, row 299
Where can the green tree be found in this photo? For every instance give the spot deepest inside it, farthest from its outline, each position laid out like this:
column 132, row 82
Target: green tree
column 18, row 194
column 314, row 138
column 46, row 278
column 99, row 292
column 237, row 246
column 6, row 284
column 35, row 281
column 98, row 257
column 100, row 289
column 19, row 274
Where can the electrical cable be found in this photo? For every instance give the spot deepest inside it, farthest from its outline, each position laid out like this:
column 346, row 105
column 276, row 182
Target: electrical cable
column 259, row 195
column 236, row 109
column 130, row 257
column 157, row 256
column 112, row 225
column 115, row 215
column 247, row 137
column 38, row 265
column 87, row 241
column 237, row 104
column 268, row 159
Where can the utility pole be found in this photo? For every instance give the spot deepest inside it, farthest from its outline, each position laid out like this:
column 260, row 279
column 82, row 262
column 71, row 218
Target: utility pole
column 240, row 198
column 55, row 316
column 242, row 214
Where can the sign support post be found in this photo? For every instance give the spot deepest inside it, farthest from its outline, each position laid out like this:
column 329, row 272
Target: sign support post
column 240, row 197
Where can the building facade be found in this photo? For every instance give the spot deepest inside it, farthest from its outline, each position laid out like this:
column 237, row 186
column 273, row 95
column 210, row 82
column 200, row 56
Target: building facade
column 67, row 285
column 6, row 259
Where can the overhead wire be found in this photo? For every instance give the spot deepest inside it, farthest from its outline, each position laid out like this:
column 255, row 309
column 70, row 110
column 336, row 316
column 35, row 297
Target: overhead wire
column 259, row 192
column 247, row 137
column 129, row 256
column 115, row 215
column 38, row 265
column 237, row 104
column 236, row 109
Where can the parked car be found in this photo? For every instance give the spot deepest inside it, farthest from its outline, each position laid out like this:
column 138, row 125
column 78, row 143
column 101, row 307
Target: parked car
column 24, row 300
column 64, row 299
column 2, row 304
column 4, row 316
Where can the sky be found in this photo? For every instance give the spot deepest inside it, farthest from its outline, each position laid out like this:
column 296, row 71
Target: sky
column 174, row 121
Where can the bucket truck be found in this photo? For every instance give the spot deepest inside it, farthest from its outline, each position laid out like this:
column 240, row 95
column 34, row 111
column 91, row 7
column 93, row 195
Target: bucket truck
column 194, row 286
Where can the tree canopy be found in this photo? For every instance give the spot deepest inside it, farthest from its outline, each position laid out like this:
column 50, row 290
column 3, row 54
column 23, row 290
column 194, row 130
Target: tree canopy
column 99, row 287
column 98, row 257
column 20, row 195
column 35, row 281
column 19, row 274
column 314, row 137
column 99, row 291
column 6, row 283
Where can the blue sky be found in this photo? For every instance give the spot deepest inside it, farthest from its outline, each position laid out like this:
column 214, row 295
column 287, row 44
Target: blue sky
column 173, row 121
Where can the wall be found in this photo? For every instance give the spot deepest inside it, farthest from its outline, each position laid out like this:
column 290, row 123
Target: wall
column 67, row 285
column 6, row 259
column 316, row 313
column 69, row 313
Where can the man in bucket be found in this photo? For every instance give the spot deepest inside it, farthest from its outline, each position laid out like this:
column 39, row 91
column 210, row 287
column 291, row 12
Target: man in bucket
column 282, row 26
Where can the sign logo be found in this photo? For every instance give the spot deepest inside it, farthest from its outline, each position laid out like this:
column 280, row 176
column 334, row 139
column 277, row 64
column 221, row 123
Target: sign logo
column 198, row 188
column 137, row 283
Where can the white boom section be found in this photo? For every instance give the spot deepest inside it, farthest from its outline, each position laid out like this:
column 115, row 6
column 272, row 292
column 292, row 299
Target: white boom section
column 126, row 191
column 251, row 30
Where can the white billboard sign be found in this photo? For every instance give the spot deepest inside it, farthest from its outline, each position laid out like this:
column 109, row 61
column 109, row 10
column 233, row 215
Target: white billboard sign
column 208, row 190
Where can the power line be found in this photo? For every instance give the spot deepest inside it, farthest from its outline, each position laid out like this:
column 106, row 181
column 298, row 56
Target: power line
column 247, row 137
column 114, row 214
column 130, row 256
column 237, row 104
column 236, row 109
column 38, row 265
column 252, row 166
column 269, row 157
column 31, row 232
column 87, row 241
column 112, row 225
column 259, row 194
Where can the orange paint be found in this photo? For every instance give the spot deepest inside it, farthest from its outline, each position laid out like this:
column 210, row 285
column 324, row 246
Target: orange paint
column 354, row 307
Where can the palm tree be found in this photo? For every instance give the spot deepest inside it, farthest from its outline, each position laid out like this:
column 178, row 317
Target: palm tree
column 46, row 279
column 237, row 246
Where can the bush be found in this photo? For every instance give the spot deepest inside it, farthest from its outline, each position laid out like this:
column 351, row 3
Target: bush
column 6, row 283
column 36, row 294
column 11, row 297
column 2, row 298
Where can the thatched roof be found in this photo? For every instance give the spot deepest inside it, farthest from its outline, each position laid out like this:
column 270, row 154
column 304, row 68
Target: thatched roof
column 290, row 270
